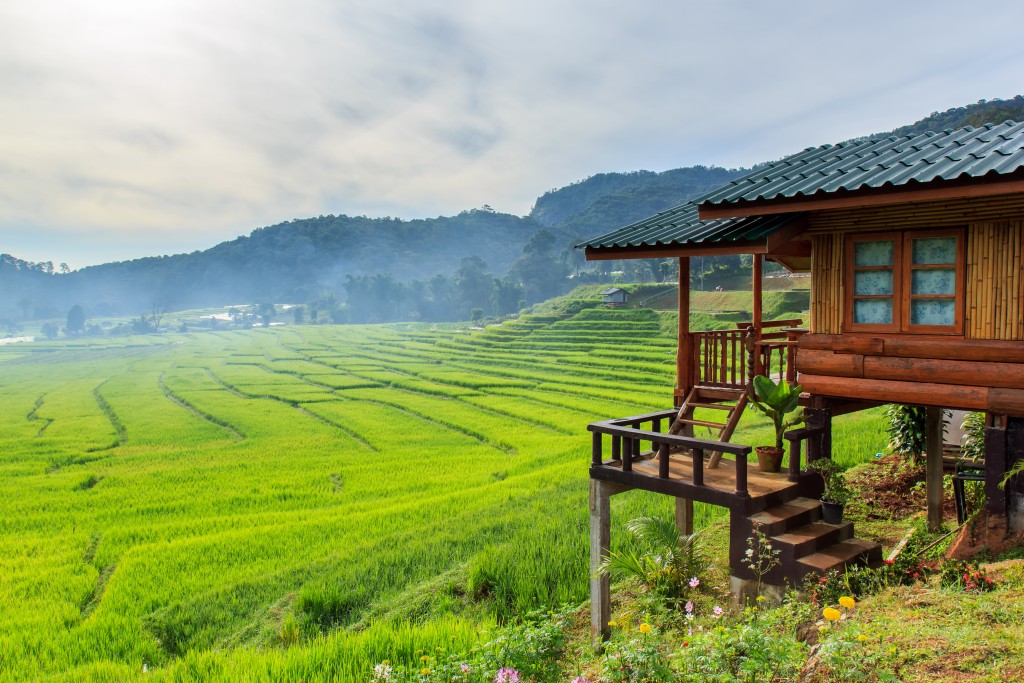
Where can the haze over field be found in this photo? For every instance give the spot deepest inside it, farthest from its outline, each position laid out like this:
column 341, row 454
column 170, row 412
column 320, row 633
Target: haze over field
column 137, row 129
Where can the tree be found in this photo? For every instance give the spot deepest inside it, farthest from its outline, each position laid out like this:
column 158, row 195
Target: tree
column 266, row 311
column 472, row 285
column 49, row 330
column 297, row 315
column 76, row 320
column 476, row 315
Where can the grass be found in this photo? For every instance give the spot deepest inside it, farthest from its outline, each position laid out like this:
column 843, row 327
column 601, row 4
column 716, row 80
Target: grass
column 175, row 501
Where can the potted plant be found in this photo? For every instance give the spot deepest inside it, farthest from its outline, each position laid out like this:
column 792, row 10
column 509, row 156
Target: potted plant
column 776, row 401
column 836, row 494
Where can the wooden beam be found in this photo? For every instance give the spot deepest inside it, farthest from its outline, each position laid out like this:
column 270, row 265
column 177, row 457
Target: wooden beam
column 758, row 273
column 684, row 516
column 600, row 544
column 933, row 466
column 671, row 250
column 856, row 200
column 684, row 342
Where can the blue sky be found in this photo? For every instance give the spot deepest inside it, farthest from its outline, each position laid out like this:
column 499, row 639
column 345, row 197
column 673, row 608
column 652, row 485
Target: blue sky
column 133, row 128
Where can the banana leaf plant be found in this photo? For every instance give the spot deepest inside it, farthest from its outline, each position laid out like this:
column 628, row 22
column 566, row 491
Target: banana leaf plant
column 776, row 401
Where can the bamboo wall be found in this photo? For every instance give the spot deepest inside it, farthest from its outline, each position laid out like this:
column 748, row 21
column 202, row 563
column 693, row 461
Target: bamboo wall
column 995, row 286
column 827, row 283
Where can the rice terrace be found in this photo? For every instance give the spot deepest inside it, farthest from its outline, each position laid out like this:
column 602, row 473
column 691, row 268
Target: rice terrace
column 177, row 503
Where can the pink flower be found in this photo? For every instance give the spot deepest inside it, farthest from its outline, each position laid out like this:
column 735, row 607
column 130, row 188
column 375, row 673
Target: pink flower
column 465, row 668
column 689, row 607
column 506, row 676
column 580, row 679
column 718, row 611
column 694, row 582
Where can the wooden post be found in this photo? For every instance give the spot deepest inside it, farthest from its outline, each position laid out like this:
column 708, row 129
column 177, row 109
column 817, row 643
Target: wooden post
column 757, row 319
column 995, row 468
column 933, row 465
column 684, row 516
column 684, row 343
column 600, row 544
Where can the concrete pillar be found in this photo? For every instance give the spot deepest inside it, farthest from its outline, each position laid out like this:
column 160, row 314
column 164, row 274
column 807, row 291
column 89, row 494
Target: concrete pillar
column 933, row 466
column 600, row 543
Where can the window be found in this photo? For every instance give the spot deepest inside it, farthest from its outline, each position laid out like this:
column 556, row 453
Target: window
column 905, row 282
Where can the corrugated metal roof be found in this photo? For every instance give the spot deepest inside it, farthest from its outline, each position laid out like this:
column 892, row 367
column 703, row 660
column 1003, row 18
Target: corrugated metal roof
column 994, row 149
column 681, row 225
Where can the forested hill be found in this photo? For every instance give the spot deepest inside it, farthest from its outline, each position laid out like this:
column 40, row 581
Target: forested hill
column 391, row 269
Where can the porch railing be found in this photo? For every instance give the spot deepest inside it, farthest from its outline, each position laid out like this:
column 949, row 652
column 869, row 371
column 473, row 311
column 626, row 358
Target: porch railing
column 626, row 447
column 724, row 358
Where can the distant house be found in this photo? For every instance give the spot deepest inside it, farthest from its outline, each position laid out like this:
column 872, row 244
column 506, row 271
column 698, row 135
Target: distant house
column 614, row 296
column 915, row 246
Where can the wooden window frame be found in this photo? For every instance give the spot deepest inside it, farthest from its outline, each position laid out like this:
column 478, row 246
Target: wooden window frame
column 902, row 270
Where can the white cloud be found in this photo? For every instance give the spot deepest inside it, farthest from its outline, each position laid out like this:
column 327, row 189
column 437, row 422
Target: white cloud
column 141, row 128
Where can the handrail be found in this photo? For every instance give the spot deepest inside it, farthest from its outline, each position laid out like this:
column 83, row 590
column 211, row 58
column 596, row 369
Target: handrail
column 796, row 437
column 625, row 447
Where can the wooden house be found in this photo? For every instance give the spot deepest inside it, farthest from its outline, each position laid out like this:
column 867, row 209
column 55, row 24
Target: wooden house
column 614, row 297
column 915, row 246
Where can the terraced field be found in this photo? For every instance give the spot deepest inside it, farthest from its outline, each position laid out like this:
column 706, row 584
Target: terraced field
column 299, row 503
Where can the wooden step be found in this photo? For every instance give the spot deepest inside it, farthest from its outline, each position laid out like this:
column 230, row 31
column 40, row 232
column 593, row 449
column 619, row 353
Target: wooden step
column 718, row 393
column 781, row 518
column 841, row 555
column 717, row 406
column 700, row 423
column 810, row 538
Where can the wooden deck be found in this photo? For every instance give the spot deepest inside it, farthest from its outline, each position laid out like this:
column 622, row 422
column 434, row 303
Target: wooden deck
column 718, row 487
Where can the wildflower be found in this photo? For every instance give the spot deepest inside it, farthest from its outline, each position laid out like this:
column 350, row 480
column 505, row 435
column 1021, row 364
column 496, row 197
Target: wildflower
column 862, row 638
column 890, row 562
column 506, row 675
column 694, row 582
column 382, row 672
column 718, row 611
column 613, row 624
column 847, row 602
column 689, row 607
column 686, row 643
column 760, row 598
column 424, row 659
column 831, row 613
column 580, row 679
column 750, row 552
column 424, row 671
column 645, row 628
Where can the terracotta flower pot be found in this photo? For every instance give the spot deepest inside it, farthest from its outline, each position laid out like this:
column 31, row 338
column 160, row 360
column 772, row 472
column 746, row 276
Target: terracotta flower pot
column 769, row 458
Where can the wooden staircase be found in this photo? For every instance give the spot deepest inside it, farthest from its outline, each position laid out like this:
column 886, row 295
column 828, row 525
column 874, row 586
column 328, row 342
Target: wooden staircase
column 730, row 402
column 806, row 544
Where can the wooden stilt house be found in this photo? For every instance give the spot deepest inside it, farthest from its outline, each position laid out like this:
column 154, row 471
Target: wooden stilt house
column 915, row 246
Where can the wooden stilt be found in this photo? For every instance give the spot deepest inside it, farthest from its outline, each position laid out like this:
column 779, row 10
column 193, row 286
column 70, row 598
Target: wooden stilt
column 933, row 464
column 600, row 543
column 684, row 515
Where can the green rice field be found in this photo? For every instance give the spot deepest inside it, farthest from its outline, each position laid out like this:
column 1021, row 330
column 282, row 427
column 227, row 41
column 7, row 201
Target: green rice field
column 301, row 502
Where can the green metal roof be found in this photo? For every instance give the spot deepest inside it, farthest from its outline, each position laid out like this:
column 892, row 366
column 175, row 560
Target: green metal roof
column 992, row 150
column 681, row 226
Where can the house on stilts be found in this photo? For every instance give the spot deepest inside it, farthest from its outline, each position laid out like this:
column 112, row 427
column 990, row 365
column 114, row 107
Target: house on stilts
column 915, row 246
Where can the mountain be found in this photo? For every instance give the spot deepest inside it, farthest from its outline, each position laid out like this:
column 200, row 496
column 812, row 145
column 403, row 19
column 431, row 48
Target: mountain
column 416, row 268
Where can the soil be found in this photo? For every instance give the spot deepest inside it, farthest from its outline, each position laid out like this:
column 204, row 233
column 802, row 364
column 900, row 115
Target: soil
column 892, row 488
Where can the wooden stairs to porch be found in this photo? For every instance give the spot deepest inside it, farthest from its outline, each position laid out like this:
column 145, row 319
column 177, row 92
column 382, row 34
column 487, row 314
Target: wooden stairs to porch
column 806, row 544
column 729, row 402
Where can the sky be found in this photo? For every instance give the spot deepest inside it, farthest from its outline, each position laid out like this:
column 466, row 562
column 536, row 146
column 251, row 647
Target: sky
column 133, row 128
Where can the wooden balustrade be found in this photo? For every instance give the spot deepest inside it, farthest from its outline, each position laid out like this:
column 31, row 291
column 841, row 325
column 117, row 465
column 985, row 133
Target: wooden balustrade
column 720, row 357
column 813, row 436
column 626, row 437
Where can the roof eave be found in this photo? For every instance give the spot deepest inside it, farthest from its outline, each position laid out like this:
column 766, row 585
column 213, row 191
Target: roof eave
column 672, row 250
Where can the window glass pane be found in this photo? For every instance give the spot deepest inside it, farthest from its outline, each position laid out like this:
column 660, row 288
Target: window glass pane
column 873, row 253
column 932, row 311
column 868, row 282
column 872, row 311
column 937, row 281
column 933, row 250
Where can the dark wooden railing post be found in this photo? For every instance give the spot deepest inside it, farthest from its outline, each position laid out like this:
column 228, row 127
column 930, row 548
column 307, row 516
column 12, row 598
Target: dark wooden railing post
column 616, row 447
column 627, row 455
column 596, row 451
column 698, row 466
column 794, row 459
column 663, row 463
column 741, row 476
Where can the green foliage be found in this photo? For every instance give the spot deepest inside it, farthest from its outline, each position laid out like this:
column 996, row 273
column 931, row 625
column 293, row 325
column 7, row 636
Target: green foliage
column 776, row 401
column 906, row 431
column 636, row 656
column 965, row 576
column 836, row 490
column 973, row 441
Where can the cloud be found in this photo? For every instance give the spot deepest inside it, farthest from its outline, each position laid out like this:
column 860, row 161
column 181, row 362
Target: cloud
column 142, row 128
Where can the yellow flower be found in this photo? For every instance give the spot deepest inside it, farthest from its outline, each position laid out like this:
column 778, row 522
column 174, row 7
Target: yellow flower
column 424, row 658
column 862, row 638
column 613, row 623
column 831, row 613
column 760, row 598
column 645, row 628
column 425, row 672
column 847, row 602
